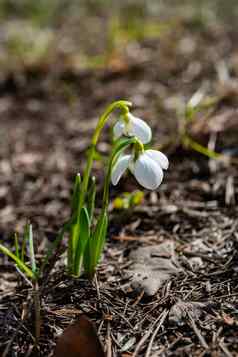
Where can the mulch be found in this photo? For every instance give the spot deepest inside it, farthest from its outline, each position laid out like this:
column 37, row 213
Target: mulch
column 46, row 123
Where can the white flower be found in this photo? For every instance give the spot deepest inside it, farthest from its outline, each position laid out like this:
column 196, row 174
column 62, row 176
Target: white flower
column 134, row 127
column 147, row 168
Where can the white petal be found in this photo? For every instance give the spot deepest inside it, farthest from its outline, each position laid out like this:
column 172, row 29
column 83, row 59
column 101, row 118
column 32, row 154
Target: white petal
column 118, row 128
column 119, row 168
column 147, row 172
column 139, row 128
column 159, row 157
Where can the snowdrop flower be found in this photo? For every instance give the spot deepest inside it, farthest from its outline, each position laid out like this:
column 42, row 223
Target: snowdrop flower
column 129, row 125
column 147, row 168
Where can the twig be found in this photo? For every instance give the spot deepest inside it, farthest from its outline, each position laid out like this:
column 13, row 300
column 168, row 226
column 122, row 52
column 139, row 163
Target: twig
column 36, row 298
column 162, row 318
column 97, row 287
column 109, row 341
column 224, row 349
column 144, row 338
column 197, row 332
column 6, row 350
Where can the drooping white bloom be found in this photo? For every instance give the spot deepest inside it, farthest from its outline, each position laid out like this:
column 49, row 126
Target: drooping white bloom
column 147, row 168
column 133, row 126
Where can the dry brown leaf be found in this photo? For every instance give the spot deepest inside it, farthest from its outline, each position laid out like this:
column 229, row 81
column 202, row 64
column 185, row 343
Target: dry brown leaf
column 152, row 266
column 79, row 340
column 181, row 310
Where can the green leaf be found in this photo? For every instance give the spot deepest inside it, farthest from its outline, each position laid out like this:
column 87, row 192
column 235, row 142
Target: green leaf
column 25, row 240
column 83, row 233
column 100, row 235
column 91, row 197
column 76, row 194
column 18, row 261
column 31, row 249
column 95, row 245
column 16, row 245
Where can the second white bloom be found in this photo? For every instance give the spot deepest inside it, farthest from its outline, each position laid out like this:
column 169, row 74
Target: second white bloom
column 133, row 126
column 147, row 168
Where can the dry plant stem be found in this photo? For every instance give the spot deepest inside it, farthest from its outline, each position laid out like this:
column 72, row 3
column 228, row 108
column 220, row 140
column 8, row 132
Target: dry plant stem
column 160, row 319
column 7, row 349
column 36, row 298
column 109, row 341
column 197, row 332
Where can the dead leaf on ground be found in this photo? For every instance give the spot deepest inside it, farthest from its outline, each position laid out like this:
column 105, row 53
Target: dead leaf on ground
column 182, row 309
column 79, row 340
column 152, row 266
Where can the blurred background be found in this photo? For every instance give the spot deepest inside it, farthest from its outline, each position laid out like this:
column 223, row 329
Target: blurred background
column 62, row 62
column 81, row 34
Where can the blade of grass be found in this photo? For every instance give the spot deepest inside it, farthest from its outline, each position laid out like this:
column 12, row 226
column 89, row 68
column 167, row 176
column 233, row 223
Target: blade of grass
column 76, row 193
column 83, row 232
column 31, row 249
column 16, row 245
column 23, row 247
column 91, row 198
column 95, row 245
column 18, row 261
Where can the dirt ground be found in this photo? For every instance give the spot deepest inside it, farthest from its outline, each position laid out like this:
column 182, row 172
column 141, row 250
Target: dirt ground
column 47, row 116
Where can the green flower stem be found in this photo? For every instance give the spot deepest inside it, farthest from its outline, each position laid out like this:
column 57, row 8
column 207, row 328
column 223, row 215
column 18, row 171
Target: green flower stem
column 138, row 149
column 123, row 106
column 187, row 141
column 77, row 235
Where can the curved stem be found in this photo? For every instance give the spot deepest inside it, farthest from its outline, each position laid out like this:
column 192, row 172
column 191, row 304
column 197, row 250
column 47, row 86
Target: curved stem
column 121, row 104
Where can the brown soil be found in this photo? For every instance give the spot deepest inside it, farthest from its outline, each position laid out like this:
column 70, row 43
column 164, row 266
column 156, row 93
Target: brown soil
column 46, row 123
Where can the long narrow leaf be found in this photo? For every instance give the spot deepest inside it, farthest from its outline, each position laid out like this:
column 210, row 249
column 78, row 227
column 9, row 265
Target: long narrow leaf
column 18, row 261
column 76, row 194
column 95, row 245
column 82, row 239
column 24, row 241
column 99, row 238
column 31, row 249
column 91, row 198
column 16, row 245
column 74, row 226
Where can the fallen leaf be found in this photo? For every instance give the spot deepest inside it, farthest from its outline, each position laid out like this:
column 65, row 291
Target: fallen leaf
column 152, row 266
column 79, row 340
column 181, row 310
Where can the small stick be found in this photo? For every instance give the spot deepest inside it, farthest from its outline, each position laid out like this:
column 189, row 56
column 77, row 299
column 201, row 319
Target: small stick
column 224, row 349
column 109, row 341
column 197, row 332
column 163, row 317
column 36, row 298
column 144, row 338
